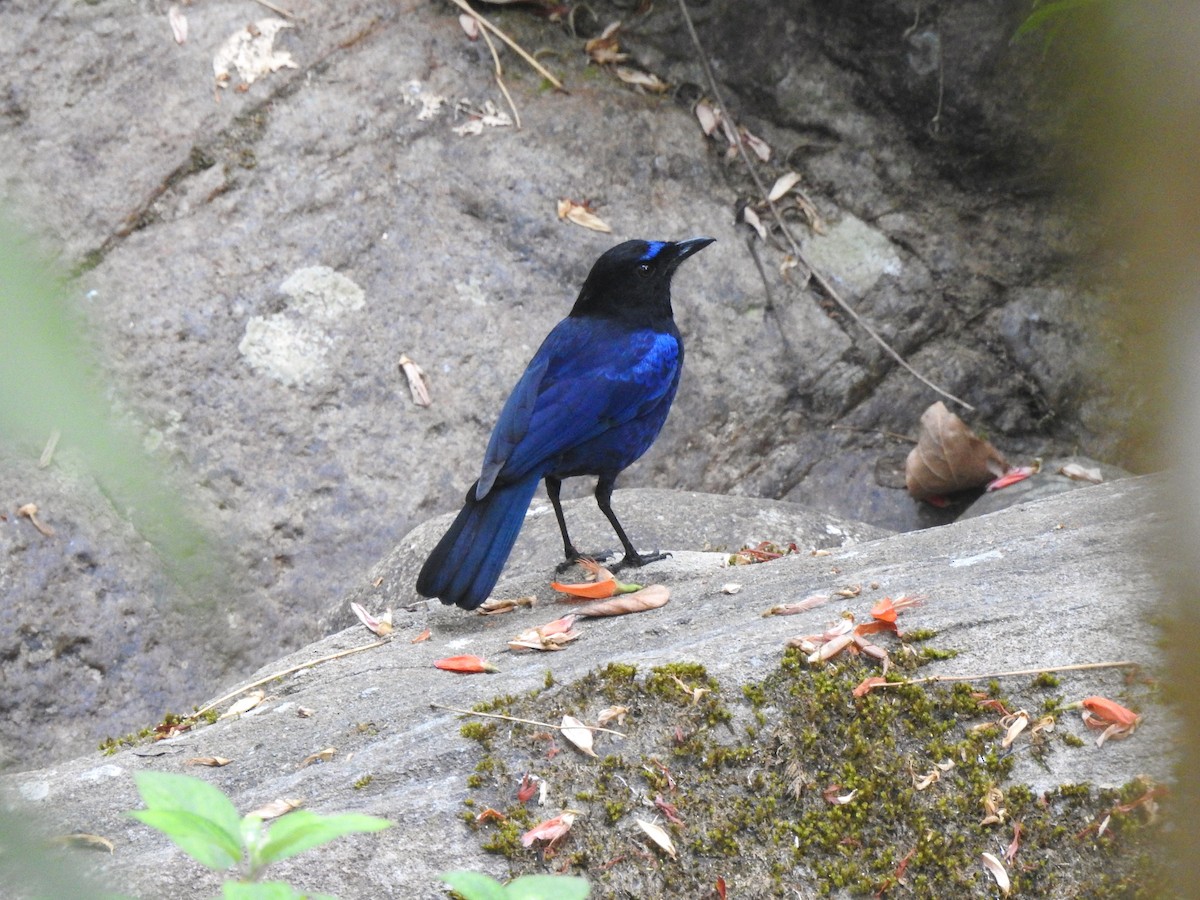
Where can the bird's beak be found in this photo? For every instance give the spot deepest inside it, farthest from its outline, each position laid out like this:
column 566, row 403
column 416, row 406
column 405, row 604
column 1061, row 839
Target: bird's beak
column 683, row 249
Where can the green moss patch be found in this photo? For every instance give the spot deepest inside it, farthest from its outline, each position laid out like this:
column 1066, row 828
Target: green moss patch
column 793, row 783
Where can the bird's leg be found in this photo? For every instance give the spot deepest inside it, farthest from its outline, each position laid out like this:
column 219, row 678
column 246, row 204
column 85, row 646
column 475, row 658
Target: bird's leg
column 553, row 486
column 604, row 489
column 572, row 556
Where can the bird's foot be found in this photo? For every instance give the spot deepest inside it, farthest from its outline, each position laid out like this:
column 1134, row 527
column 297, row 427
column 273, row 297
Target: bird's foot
column 637, row 560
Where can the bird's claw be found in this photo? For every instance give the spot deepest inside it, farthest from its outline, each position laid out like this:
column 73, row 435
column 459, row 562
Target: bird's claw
column 637, row 560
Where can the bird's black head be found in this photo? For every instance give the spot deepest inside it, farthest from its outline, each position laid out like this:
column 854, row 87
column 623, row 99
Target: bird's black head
column 633, row 280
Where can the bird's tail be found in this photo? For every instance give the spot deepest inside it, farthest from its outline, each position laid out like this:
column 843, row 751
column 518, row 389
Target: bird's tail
column 465, row 565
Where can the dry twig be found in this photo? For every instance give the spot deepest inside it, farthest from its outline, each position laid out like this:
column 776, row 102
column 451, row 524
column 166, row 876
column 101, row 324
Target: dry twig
column 828, row 288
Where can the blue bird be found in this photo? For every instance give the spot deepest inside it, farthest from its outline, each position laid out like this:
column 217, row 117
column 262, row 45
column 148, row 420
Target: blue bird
column 592, row 400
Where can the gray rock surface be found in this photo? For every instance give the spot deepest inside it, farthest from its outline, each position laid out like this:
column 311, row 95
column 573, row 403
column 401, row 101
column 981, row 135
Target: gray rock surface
column 253, row 259
column 1056, row 582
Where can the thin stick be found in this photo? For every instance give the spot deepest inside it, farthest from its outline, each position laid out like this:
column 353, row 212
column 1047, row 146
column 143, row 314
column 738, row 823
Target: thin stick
column 821, row 280
column 500, row 75
column 537, row 66
column 471, row 712
column 276, row 9
column 1078, row 667
column 313, row 662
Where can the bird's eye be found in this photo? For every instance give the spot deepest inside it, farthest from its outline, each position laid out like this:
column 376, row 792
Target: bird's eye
column 644, row 269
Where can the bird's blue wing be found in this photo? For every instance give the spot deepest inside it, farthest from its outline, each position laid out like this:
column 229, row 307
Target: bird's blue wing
column 587, row 378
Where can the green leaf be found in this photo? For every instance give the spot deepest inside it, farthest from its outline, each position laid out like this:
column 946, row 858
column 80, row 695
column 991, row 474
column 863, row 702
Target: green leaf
column 192, row 813
column 198, row 837
column 261, row 890
column 164, row 790
column 303, row 829
column 547, row 887
column 475, row 886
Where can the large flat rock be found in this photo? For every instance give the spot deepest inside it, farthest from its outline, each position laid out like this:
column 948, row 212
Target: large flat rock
column 1058, row 582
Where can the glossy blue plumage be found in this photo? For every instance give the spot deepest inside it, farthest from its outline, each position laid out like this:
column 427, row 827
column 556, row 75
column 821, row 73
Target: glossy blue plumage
column 592, row 400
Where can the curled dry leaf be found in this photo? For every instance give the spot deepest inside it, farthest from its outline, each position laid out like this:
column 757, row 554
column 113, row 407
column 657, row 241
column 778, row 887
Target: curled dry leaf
column 467, row 664
column 418, row 381
column 422, row 637
column 551, row 831
column 757, row 145
column 582, row 215
column 659, row 835
column 304, row 712
column 551, row 636
column 277, row 808
column 709, row 117
column 832, row 796
column 868, row 685
column 382, row 625
column 245, row 704
column 604, row 49
column 29, row 511
column 750, row 217
column 790, row 609
column 1076, row 472
column 578, row 734
column 949, row 457
column 612, row 713
column 1019, row 722
column 495, row 606
column 320, row 756
column 179, row 24
column 996, row 869
column 993, row 807
column 491, row 815
column 644, row 80
column 651, row 597
column 782, row 185
column 85, row 841
column 214, row 761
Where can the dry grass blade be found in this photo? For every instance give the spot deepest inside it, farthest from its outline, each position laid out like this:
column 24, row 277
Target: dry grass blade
column 472, row 712
column 517, row 48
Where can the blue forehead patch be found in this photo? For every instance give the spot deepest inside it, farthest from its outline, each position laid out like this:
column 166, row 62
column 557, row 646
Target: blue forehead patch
column 653, row 249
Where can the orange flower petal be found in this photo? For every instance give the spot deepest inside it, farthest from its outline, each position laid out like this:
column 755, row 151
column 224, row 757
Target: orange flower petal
column 469, row 664
column 1111, row 711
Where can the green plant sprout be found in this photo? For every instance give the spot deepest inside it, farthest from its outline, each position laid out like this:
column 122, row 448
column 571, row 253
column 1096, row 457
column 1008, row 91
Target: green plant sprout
column 205, row 825
column 474, row 886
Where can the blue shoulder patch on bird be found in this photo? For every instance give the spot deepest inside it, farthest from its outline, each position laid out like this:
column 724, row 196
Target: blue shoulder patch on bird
column 653, row 248
column 659, row 359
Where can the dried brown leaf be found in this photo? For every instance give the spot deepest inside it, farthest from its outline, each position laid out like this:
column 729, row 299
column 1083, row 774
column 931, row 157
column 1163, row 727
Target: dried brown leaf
column 782, row 185
column 651, row 597
column 578, row 734
column 418, row 381
column 214, row 761
column 320, row 756
column 709, row 117
column 179, row 24
column 277, row 808
column 659, row 835
column 245, row 704
column 85, row 841
column 581, row 215
column 997, row 871
column 949, row 457
column 644, row 80
column 382, row 625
